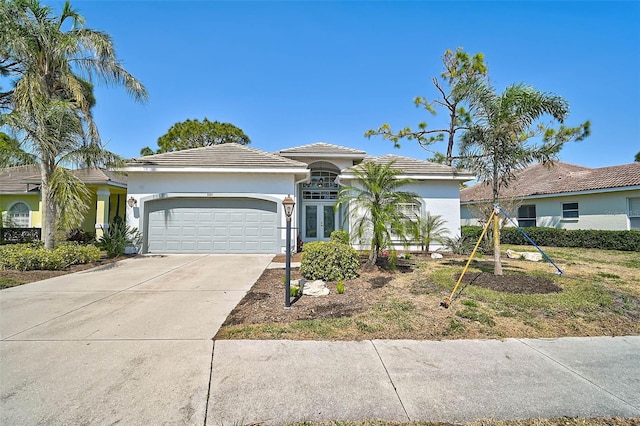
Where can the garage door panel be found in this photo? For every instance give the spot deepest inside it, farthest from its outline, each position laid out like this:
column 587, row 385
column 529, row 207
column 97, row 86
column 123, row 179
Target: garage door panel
column 236, row 231
column 212, row 225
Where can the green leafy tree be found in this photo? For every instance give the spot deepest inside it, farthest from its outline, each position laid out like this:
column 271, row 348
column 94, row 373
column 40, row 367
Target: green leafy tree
column 374, row 205
column 637, row 158
column 462, row 77
column 195, row 134
column 11, row 154
column 507, row 135
column 53, row 60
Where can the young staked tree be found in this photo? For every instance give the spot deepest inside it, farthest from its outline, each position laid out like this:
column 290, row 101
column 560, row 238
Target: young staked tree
column 374, row 204
column 53, row 60
column 462, row 78
column 196, row 134
column 507, row 135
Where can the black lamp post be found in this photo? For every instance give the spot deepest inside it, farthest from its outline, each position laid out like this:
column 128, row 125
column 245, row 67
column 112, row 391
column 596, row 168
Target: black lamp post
column 288, row 205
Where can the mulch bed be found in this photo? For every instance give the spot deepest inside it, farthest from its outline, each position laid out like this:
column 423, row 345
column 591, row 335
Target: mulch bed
column 521, row 284
column 25, row 277
column 264, row 303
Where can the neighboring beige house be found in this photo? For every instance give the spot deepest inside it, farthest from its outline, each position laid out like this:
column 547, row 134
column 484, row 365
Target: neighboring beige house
column 566, row 196
column 228, row 198
column 21, row 205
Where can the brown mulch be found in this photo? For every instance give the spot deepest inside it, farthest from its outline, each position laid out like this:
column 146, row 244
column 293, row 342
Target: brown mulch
column 520, row 283
column 24, row 277
column 264, row 302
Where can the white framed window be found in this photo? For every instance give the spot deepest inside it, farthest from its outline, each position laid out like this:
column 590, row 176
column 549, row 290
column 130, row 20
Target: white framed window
column 411, row 211
column 527, row 215
column 18, row 215
column 570, row 211
column 634, row 213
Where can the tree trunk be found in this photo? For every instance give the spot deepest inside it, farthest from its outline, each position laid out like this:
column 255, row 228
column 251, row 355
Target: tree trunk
column 497, row 263
column 373, row 255
column 48, row 206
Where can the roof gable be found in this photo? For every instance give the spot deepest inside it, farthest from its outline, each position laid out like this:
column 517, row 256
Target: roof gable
column 539, row 179
column 228, row 155
column 322, row 149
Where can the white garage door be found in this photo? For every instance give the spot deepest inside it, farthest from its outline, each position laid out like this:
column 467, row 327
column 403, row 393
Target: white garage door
column 211, row 225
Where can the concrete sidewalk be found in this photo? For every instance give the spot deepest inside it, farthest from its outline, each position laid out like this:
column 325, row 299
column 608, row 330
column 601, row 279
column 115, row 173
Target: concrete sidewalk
column 272, row 382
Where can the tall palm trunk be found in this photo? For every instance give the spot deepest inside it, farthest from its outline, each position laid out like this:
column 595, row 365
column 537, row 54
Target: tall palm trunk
column 48, row 205
column 497, row 262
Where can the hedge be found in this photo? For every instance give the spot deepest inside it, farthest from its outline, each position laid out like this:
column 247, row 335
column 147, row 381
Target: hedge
column 554, row 237
column 26, row 257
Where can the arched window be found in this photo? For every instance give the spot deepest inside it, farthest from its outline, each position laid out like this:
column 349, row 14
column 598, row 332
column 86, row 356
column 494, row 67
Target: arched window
column 322, row 186
column 18, row 215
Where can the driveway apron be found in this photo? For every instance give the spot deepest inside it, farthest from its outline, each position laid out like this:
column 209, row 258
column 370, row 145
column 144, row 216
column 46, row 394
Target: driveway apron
column 129, row 342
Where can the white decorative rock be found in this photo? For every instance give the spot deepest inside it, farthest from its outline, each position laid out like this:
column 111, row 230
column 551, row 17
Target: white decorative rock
column 315, row 288
column 436, row 256
column 530, row 256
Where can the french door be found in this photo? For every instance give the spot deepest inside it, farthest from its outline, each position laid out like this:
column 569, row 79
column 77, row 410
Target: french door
column 319, row 222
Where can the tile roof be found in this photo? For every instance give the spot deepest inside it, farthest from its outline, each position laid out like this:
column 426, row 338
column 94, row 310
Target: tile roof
column 27, row 178
column 12, row 178
column 322, row 148
column 228, row 155
column 412, row 166
column 560, row 178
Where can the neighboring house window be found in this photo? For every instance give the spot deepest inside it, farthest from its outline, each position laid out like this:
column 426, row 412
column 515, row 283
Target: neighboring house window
column 18, row 215
column 570, row 211
column 634, row 213
column 527, row 215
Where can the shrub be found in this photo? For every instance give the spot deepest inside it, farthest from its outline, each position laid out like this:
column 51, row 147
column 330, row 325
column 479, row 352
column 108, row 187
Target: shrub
column 81, row 236
column 459, row 245
column 340, row 236
column 554, row 237
column 26, row 257
column 340, row 287
column 329, row 261
column 117, row 237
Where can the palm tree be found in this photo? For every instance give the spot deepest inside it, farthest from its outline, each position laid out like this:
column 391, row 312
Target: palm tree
column 428, row 229
column 497, row 144
column 374, row 203
column 53, row 59
column 11, row 154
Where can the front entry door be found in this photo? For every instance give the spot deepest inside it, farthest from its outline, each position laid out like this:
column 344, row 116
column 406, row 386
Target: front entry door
column 319, row 222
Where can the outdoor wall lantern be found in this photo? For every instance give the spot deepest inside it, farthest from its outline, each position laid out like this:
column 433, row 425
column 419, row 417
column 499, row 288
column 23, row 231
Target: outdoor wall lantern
column 288, row 205
column 132, row 202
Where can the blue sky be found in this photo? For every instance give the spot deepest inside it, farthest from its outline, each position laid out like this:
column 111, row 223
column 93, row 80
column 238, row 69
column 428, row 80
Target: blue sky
column 293, row 73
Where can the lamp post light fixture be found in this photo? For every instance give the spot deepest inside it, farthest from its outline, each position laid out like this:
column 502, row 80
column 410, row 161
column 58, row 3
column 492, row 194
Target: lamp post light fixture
column 288, row 205
column 132, row 202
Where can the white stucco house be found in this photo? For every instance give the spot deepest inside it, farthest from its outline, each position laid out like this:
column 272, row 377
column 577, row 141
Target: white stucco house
column 228, row 198
column 566, row 196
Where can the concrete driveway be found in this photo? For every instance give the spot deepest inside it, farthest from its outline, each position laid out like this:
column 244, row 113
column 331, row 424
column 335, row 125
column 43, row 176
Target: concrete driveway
column 126, row 343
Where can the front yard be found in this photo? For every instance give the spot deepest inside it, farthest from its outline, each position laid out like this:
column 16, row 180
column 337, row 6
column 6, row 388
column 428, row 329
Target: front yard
column 598, row 295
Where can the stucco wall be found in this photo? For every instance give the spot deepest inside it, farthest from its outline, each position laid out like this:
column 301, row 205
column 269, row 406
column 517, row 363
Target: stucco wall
column 605, row 211
column 32, row 200
column 440, row 198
